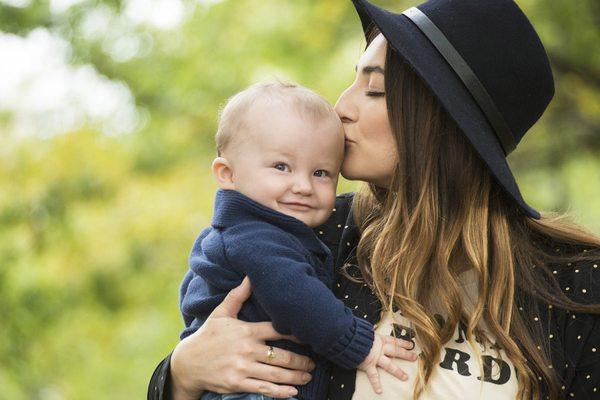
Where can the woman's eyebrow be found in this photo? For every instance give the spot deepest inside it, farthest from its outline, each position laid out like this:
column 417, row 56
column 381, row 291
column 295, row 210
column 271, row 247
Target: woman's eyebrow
column 370, row 68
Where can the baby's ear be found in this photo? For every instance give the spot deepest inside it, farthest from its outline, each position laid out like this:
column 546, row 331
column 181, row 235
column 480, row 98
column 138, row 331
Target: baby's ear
column 223, row 173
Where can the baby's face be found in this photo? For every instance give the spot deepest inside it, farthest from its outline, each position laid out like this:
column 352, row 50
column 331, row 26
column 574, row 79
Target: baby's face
column 289, row 163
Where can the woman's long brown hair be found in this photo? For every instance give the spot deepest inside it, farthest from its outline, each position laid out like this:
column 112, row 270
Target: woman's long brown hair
column 444, row 213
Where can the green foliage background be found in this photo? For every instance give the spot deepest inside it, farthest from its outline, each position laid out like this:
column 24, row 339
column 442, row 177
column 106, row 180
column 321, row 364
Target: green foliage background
column 95, row 229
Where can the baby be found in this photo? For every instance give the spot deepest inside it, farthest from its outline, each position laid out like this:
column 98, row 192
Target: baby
column 280, row 148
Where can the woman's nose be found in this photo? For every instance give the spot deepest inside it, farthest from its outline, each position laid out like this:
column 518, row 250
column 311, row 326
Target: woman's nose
column 345, row 108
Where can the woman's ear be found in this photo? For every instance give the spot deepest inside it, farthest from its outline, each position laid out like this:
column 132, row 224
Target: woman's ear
column 223, row 173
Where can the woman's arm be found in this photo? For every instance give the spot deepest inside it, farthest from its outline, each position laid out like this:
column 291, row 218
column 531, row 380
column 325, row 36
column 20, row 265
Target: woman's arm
column 585, row 375
column 159, row 383
column 582, row 332
column 227, row 355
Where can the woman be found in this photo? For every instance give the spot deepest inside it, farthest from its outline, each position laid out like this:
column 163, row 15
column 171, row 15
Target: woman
column 442, row 94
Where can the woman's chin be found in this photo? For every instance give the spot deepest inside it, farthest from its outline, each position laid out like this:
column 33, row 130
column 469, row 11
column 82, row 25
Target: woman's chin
column 357, row 175
column 350, row 175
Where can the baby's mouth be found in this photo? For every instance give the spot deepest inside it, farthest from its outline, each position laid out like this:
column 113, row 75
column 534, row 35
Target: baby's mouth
column 297, row 206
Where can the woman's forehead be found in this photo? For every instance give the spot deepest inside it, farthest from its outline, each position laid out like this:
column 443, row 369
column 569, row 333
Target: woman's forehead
column 374, row 53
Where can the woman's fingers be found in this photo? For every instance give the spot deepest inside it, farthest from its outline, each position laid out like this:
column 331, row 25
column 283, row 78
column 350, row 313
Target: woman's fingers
column 233, row 302
column 225, row 353
column 387, row 364
column 292, row 338
column 265, row 331
column 373, row 376
column 284, row 358
column 397, row 348
column 275, row 374
column 251, row 385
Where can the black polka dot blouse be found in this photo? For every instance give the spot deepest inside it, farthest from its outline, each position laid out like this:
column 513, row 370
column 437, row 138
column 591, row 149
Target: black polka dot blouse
column 574, row 338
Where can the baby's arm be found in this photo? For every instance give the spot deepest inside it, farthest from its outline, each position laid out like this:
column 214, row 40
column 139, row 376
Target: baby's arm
column 297, row 302
column 286, row 287
column 194, row 308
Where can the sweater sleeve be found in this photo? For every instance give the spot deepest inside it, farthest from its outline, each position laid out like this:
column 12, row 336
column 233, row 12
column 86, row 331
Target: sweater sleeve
column 195, row 300
column 287, row 288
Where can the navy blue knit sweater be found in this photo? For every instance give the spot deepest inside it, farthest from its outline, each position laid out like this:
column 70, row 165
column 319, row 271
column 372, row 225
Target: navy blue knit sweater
column 291, row 273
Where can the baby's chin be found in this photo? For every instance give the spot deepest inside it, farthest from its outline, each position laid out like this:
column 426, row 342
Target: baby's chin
column 298, row 215
column 311, row 219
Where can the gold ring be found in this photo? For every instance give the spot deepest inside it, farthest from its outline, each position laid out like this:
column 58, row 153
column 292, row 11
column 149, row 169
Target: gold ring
column 270, row 353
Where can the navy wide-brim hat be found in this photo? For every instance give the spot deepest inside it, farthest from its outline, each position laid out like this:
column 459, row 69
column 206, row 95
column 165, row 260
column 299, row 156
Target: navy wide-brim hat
column 486, row 65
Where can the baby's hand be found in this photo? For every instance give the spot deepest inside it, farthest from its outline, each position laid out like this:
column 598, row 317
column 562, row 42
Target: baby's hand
column 383, row 348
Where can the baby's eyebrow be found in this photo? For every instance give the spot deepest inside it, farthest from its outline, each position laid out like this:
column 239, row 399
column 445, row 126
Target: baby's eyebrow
column 330, row 165
column 370, row 68
column 283, row 153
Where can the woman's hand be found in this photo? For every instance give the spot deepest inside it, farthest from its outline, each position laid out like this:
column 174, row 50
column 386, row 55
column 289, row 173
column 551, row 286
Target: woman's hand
column 383, row 348
column 227, row 355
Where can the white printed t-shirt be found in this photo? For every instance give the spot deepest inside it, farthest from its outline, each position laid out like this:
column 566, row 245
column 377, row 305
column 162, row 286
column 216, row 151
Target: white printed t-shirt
column 457, row 375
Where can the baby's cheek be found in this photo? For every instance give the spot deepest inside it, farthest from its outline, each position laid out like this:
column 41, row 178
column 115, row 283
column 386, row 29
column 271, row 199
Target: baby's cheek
column 328, row 205
column 332, row 193
column 321, row 217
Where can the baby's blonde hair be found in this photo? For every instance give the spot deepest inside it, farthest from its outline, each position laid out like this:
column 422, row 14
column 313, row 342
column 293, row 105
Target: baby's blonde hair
column 233, row 117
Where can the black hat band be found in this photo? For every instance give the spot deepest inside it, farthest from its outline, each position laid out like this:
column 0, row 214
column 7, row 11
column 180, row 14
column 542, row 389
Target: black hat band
column 468, row 77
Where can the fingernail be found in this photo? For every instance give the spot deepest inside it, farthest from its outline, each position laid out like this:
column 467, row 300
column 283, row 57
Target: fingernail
column 306, row 377
column 311, row 366
column 292, row 392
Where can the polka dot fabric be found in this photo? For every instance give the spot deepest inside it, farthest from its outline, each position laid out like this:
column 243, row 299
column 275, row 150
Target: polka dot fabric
column 356, row 296
column 574, row 338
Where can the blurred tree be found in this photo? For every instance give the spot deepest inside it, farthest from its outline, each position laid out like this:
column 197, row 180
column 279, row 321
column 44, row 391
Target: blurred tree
column 95, row 227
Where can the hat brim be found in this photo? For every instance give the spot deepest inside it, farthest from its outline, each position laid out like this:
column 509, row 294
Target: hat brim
column 414, row 47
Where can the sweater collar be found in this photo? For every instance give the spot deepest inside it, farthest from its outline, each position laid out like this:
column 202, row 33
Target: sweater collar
column 233, row 208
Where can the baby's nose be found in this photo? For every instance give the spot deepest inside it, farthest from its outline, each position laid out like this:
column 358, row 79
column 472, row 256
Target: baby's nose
column 302, row 186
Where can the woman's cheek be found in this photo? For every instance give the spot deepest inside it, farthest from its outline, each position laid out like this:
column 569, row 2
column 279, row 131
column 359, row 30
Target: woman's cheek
column 347, row 166
column 354, row 159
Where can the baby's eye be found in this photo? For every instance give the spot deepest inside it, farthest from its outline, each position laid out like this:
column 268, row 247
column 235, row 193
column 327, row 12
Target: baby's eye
column 280, row 166
column 321, row 173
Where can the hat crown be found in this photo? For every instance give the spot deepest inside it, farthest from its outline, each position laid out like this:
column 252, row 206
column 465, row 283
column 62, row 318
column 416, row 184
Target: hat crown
column 484, row 62
column 501, row 47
